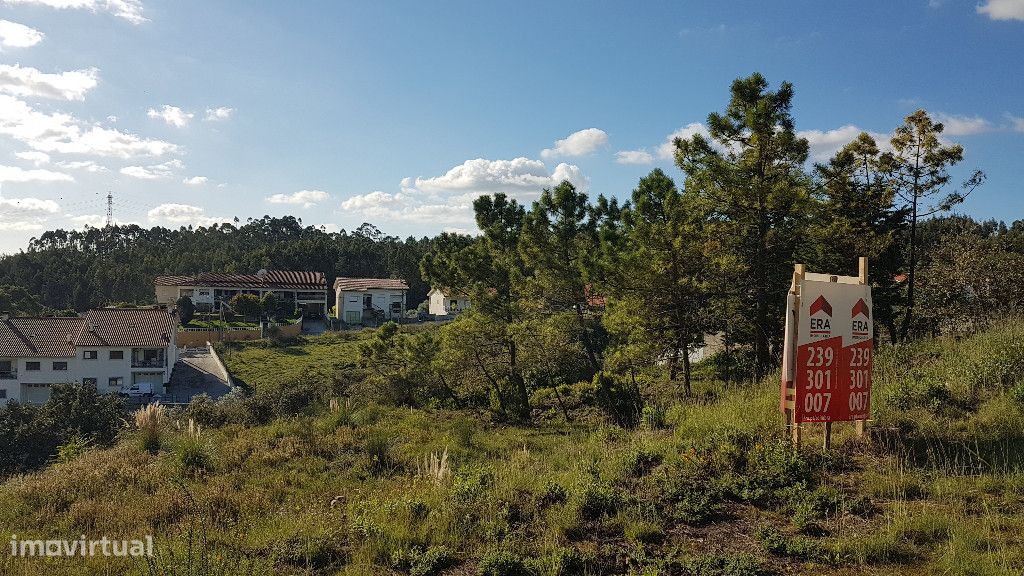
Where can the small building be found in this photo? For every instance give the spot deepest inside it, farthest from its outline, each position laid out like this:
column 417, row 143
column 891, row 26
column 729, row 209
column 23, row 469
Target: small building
column 369, row 301
column 445, row 302
column 107, row 348
column 305, row 290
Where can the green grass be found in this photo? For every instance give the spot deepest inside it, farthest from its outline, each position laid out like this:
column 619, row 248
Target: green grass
column 709, row 487
column 317, row 357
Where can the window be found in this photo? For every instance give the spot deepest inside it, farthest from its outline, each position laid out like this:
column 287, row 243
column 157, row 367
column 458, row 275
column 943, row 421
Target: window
column 90, row 354
column 89, row 382
column 3, row 393
column 115, row 382
column 31, row 366
column 117, row 354
column 60, row 365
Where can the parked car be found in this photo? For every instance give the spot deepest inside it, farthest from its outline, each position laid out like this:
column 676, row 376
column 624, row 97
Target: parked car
column 137, row 390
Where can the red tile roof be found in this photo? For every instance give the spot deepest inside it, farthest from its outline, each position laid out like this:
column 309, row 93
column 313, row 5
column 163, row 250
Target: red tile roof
column 269, row 279
column 57, row 337
column 128, row 327
column 369, row 283
column 46, row 337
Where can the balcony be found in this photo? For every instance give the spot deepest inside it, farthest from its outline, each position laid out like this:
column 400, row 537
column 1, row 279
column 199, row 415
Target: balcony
column 9, row 375
column 153, row 358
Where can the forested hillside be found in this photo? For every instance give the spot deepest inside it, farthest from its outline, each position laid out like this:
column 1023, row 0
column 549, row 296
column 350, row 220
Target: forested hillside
column 98, row 266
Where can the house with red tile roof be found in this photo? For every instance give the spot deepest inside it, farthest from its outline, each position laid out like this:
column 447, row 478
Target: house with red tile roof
column 107, row 348
column 209, row 290
column 369, row 301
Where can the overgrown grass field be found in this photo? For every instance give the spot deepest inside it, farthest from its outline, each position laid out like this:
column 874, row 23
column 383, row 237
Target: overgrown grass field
column 705, row 485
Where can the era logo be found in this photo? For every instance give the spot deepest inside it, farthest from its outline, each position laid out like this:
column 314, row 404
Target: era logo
column 821, row 325
column 860, row 326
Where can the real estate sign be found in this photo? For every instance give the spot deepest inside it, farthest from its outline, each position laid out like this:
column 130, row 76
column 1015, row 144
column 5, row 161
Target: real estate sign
column 832, row 368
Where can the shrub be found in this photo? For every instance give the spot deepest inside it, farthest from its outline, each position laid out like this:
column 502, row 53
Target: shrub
column 419, row 562
column 641, row 461
column 797, row 547
column 149, row 419
column 73, row 448
column 653, row 417
column 193, row 454
column 205, row 411
column 727, row 565
column 502, row 563
column 377, row 447
column 552, row 493
column 619, row 399
column 597, row 499
column 687, row 494
column 645, row 533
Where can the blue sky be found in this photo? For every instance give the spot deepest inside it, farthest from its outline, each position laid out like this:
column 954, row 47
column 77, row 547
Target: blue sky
column 400, row 113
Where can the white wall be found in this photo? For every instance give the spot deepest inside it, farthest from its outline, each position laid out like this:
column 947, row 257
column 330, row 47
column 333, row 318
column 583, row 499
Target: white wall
column 352, row 301
column 441, row 303
column 102, row 369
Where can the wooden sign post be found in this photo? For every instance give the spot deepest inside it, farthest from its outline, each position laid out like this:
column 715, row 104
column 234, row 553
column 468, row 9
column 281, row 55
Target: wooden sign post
column 827, row 358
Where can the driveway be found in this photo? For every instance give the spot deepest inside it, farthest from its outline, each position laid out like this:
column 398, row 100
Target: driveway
column 195, row 373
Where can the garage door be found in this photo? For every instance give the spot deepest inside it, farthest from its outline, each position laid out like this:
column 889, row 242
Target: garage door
column 35, row 393
column 155, row 378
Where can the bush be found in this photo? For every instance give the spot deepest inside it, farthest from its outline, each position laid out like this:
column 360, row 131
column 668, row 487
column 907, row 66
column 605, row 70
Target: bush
column 619, row 399
column 194, row 455
column 205, row 411
column 645, row 533
column 73, row 448
column 377, row 447
column 419, row 562
column 688, row 494
column 502, row 563
column 597, row 499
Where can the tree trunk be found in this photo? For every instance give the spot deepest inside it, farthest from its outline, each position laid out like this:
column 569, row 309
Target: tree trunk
column 687, row 371
column 908, row 316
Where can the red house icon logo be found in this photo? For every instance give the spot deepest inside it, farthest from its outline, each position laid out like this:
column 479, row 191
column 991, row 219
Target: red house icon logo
column 861, row 307
column 821, row 305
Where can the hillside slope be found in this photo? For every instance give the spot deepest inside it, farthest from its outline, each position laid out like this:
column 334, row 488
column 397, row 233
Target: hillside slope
column 706, row 486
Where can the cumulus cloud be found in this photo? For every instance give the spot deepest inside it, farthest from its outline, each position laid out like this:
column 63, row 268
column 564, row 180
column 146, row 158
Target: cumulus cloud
column 218, row 114
column 1016, row 122
column 130, row 10
column 63, row 133
column 823, row 144
column 667, row 150
column 22, row 214
column 304, row 198
column 640, row 156
column 93, row 220
column 577, row 144
column 14, row 35
column 1002, row 9
column 182, row 215
column 172, row 115
column 447, row 199
column 30, row 82
column 153, row 171
column 85, row 165
column 16, row 174
column 963, row 125
column 195, row 180
column 35, row 157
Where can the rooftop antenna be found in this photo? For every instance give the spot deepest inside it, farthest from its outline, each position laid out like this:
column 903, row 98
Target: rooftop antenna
column 110, row 209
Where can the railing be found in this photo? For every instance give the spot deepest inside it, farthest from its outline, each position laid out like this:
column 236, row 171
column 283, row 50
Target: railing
column 158, row 363
column 9, row 375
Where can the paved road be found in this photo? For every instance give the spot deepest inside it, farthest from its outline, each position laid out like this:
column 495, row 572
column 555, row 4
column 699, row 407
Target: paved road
column 196, row 373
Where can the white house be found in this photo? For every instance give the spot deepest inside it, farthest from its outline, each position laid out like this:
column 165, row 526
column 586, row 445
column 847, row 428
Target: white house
column 369, row 300
column 443, row 302
column 306, row 290
column 107, row 348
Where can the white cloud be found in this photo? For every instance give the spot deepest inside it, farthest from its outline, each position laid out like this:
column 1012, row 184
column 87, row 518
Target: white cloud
column 16, row 174
column 173, row 115
column 305, row 198
column 63, row 133
column 824, row 144
column 130, row 10
column 153, row 171
column 14, row 35
column 963, row 125
column 35, row 157
column 195, row 180
column 1002, row 9
column 1016, row 122
column 83, row 220
column 24, row 214
column 667, row 150
column 634, row 157
column 577, row 144
column 86, row 165
column 182, row 215
column 30, row 82
column 448, row 199
column 218, row 114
